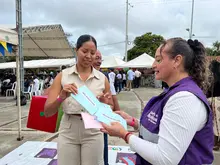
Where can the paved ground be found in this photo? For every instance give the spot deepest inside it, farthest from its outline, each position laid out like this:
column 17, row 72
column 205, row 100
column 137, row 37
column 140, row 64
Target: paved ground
column 131, row 102
column 9, row 125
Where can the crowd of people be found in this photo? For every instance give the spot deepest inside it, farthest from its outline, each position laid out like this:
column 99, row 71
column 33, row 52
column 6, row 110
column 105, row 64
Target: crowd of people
column 122, row 80
column 7, row 80
column 33, row 82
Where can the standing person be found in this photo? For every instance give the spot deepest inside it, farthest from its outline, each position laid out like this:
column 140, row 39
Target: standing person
column 116, row 84
column 137, row 79
column 36, row 84
column 111, row 77
column 176, row 127
column 76, row 145
column 96, row 64
column 124, row 79
column 120, row 80
column 131, row 76
column 213, row 96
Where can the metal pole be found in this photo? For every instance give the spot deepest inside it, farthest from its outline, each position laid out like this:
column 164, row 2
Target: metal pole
column 191, row 26
column 18, row 54
column 21, row 45
column 126, row 33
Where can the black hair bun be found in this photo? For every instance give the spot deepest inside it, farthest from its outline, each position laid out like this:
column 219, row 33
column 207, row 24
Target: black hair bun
column 194, row 44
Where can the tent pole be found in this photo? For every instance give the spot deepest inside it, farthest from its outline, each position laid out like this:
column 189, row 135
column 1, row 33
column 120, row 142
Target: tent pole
column 18, row 94
column 18, row 64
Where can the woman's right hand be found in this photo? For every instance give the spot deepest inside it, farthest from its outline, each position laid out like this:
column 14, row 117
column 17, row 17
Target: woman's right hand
column 67, row 89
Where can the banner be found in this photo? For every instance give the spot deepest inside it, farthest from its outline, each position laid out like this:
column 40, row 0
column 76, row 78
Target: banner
column 5, row 47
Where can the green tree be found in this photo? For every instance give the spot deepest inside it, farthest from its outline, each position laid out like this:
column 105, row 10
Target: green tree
column 216, row 45
column 210, row 51
column 214, row 50
column 147, row 43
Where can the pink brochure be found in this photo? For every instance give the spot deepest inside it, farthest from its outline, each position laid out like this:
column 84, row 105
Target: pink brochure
column 90, row 122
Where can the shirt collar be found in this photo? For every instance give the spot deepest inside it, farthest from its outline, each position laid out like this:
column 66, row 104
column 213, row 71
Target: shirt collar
column 95, row 73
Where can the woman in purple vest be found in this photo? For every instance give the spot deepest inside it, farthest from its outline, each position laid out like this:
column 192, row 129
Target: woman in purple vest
column 176, row 126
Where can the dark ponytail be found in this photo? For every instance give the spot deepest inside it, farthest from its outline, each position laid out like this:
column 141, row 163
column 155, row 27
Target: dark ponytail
column 195, row 62
column 199, row 70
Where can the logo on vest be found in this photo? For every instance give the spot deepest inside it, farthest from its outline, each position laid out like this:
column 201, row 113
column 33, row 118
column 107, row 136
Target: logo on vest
column 152, row 117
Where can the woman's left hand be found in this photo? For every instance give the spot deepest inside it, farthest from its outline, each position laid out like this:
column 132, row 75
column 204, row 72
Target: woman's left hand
column 104, row 97
column 116, row 129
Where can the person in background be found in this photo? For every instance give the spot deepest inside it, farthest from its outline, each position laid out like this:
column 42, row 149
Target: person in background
column 111, row 77
column 48, row 81
column 77, row 145
column 36, row 84
column 124, row 78
column 176, row 127
column 119, row 78
column 116, row 84
column 131, row 77
column 27, row 83
column 213, row 96
column 105, row 72
column 97, row 64
column 137, row 78
column 6, row 84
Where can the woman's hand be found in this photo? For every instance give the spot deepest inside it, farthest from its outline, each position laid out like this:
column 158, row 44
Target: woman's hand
column 116, row 129
column 124, row 115
column 67, row 89
column 129, row 119
column 104, row 97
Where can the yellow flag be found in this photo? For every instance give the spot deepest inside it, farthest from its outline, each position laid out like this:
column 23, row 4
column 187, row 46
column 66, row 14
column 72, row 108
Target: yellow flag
column 4, row 44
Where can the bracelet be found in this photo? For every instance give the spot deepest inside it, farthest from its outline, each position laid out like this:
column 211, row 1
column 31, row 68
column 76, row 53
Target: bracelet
column 126, row 137
column 132, row 124
column 59, row 99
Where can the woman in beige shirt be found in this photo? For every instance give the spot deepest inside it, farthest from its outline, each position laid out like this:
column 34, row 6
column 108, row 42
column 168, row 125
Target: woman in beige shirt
column 77, row 145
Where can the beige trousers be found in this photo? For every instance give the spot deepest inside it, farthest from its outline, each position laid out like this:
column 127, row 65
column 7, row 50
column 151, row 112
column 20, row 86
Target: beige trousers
column 129, row 84
column 77, row 145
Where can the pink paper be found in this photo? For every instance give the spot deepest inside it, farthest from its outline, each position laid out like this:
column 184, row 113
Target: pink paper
column 90, row 122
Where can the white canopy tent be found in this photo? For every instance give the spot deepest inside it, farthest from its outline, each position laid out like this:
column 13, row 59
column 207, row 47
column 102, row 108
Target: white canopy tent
column 108, row 62
column 142, row 61
column 8, row 65
column 48, row 63
column 111, row 62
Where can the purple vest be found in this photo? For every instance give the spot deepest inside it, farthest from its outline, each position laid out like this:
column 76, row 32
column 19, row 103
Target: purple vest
column 200, row 149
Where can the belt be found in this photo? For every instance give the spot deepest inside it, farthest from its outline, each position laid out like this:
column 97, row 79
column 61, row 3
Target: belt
column 79, row 115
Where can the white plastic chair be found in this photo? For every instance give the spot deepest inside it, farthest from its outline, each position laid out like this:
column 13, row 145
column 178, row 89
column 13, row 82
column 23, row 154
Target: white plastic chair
column 12, row 91
column 29, row 92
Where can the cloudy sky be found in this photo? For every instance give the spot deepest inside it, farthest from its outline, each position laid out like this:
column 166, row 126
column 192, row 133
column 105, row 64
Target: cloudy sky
column 105, row 19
